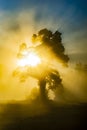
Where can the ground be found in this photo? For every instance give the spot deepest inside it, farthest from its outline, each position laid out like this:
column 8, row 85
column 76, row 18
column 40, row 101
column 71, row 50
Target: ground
column 43, row 117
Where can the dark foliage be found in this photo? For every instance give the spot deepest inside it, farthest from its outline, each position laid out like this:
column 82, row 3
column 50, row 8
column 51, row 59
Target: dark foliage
column 52, row 41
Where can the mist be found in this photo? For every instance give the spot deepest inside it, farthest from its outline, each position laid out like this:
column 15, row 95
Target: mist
column 75, row 86
column 17, row 28
column 21, row 101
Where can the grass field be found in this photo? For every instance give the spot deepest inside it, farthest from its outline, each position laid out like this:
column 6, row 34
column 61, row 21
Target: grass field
column 43, row 117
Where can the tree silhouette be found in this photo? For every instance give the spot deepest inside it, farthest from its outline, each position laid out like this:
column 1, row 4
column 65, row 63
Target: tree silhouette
column 48, row 78
column 52, row 42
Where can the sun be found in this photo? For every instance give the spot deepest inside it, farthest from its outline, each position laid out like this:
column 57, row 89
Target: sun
column 31, row 59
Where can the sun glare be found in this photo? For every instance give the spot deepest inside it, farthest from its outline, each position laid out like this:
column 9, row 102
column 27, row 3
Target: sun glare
column 31, row 60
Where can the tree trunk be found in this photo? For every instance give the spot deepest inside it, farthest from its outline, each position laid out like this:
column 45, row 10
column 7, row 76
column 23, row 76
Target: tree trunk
column 43, row 93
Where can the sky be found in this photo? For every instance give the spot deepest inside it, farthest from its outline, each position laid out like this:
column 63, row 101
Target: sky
column 19, row 19
column 68, row 16
column 23, row 107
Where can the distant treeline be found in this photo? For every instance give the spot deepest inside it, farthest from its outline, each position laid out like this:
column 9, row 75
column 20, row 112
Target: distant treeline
column 81, row 66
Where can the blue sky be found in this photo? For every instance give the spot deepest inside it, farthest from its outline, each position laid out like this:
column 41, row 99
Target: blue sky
column 54, row 6
column 72, row 15
column 57, row 7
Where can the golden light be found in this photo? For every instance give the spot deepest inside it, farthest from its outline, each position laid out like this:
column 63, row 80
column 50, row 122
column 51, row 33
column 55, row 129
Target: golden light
column 31, row 59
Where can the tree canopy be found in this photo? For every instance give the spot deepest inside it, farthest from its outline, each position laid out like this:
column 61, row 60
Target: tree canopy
column 51, row 41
